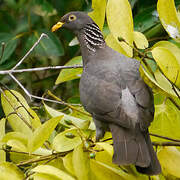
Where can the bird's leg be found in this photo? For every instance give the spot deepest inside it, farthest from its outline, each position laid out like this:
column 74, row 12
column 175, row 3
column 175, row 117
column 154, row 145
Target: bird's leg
column 100, row 129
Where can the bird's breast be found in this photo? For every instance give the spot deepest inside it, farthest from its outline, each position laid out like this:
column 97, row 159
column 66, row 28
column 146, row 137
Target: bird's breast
column 99, row 92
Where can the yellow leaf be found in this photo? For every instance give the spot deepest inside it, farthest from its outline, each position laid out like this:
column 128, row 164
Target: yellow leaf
column 166, row 120
column 140, row 40
column 52, row 171
column 118, row 46
column 10, row 171
column 2, row 128
column 106, row 172
column 67, row 161
column 70, row 74
column 81, row 123
column 169, row 18
column 168, row 64
column 98, row 13
column 62, row 143
column 120, row 21
column 171, row 47
column 81, row 163
column 9, row 101
column 107, row 147
column 42, row 133
column 169, row 158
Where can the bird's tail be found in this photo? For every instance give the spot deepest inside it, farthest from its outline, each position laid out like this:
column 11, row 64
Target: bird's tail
column 154, row 167
column 134, row 148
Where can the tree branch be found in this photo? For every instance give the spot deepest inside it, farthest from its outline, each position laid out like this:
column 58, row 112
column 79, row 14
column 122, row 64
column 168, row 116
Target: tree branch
column 32, row 48
column 39, row 69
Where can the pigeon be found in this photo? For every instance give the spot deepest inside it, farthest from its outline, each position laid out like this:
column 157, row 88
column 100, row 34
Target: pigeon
column 113, row 92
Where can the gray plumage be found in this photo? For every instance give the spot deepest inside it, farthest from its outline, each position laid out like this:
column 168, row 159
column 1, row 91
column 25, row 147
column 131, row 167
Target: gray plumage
column 112, row 90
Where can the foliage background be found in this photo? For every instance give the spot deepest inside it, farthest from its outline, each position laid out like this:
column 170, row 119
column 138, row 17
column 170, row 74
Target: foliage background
column 21, row 24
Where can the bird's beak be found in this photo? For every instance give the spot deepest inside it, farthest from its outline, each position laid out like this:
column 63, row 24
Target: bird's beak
column 57, row 26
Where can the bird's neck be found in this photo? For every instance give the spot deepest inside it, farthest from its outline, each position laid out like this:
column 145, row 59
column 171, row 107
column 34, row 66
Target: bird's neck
column 91, row 39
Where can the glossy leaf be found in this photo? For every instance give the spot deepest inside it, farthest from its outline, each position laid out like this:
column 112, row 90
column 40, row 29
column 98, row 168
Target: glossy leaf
column 168, row 63
column 68, row 164
column 169, row 158
column 81, row 123
column 8, row 101
column 115, row 44
column 169, row 17
column 10, row 45
column 159, row 83
column 42, row 133
column 52, row 171
column 15, row 136
column 42, row 176
column 17, row 145
column 2, row 133
column 2, row 128
column 10, row 171
column 70, row 74
column 120, row 21
column 98, row 13
column 140, row 40
column 81, row 163
column 167, row 120
column 106, row 172
column 62, row 143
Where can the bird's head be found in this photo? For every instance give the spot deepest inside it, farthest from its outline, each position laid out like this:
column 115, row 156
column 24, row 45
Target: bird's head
column 73, row 21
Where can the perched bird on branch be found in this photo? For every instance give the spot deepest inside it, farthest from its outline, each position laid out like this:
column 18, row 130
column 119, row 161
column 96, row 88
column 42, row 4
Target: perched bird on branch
column 112, row 90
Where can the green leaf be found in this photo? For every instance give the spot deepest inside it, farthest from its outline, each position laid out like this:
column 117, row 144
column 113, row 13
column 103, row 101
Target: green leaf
column 169, row 158
column 42, row 133
column 8, row 101
column 98, row 13
column 169, row 17
column 70, row 74
column 168, row 63
column 80, row 123
column 10, row 45
column 52, row 171
column 81, row 163
column 62, row 143
column 120, row 22
column 146, row 19
column 167, row 120
column 47, row 47
column 10, row 171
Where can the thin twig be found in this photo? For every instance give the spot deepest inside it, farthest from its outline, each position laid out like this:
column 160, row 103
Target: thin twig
column 164, row 137
column 2, row 50
column 22, row 87
column 43, row 158
column 32, row 48
column 165, row 143
column 68, row 105
column 39, row 69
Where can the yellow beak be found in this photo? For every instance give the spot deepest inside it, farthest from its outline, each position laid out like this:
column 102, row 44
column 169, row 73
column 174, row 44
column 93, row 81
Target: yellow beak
column 57, row 26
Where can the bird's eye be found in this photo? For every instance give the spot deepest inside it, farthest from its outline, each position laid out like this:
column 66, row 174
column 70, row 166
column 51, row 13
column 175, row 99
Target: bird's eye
column 72, row 17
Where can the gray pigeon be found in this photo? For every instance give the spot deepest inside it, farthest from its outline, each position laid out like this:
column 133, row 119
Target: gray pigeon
column 112, row 90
